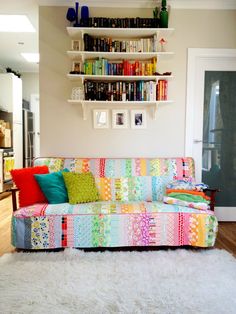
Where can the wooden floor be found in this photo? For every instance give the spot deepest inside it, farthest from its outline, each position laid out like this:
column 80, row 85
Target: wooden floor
column 5, row 224
column 226, row 238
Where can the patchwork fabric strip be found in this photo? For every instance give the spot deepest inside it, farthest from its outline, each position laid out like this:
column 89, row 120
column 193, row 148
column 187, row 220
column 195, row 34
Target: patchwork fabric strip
column 108, row 224
column 175, row 168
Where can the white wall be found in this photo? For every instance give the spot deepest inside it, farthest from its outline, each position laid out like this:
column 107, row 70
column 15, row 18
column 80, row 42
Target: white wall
column 65, row 133
column 30, row 84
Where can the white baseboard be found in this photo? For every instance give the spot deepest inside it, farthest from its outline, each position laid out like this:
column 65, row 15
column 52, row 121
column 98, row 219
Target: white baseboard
column 225, row 213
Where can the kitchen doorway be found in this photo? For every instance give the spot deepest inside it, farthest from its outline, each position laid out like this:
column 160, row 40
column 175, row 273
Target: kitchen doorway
column 211, row 123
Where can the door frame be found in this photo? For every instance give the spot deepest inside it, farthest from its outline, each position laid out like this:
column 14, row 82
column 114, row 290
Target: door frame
column 34, row 101
column 196, row 56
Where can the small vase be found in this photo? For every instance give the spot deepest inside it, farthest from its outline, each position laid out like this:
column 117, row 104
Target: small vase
column 71, row 15
column 76, row 14
column 84, row 12
column 85, row 15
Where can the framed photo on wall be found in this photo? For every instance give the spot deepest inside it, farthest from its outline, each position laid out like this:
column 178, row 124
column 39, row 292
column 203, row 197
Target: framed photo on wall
column 138, row 119
column 120, row 119
column 77, row 67
column 75, row 45
column 101, row 118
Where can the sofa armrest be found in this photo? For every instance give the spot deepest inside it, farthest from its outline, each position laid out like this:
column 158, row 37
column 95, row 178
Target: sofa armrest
column 13, row 191
column 212, row 194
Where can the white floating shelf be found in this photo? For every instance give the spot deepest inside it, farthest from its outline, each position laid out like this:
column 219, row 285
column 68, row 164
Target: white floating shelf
column 76, row 77
column 85, row 55
column 152, row 104
column 78, row 32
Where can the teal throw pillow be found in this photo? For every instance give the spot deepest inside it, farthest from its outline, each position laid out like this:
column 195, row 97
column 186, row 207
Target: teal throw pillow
column 81, row 187
column 53, row 186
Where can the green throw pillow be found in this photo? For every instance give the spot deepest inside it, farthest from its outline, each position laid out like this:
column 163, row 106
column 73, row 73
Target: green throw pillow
column 81, row 187
column 53, row 186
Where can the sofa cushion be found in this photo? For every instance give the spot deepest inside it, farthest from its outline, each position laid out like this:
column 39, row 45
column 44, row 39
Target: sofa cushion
column 53, row 186
column 108, row 171
column 112, row 224
column 104, row 208
column 139, row 188
column 81, row 187
column 174, row 168
column 25, row 181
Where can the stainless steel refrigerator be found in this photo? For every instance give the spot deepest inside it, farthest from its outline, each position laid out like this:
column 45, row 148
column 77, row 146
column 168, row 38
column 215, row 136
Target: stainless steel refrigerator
column 28, row 137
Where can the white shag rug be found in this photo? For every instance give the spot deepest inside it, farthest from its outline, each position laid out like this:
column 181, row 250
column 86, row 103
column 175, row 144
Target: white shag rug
column 175, row 281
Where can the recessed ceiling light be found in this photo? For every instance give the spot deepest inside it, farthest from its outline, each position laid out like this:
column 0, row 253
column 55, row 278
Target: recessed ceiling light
column 15, row 23
column 31, row 57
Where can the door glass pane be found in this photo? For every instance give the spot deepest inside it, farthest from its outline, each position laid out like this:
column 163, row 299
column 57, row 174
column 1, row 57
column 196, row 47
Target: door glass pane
column 219, row 135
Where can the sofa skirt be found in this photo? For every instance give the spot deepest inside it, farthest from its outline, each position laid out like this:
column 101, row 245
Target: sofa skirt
column 112, row 224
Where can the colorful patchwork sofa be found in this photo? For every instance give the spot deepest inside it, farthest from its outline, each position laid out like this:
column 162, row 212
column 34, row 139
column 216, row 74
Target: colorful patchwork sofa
column 130, row 212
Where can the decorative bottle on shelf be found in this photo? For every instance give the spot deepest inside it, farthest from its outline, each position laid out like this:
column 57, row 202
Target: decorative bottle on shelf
column 155, row 17
column 163, row 15
column 84, row 16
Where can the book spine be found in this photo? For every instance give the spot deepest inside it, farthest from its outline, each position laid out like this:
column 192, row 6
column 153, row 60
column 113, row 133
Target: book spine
column 112, row 91
column 135, row 91
column 123, row 91
column 151, row 91
column 109, row 91
column 136, row 67
column 103, row 66
column 142, row 90
column 120, row 91
column 85, row 90
column 129, row 91
column 117, row 91
column 145, row 91
column 165, row 89
column 86, row 42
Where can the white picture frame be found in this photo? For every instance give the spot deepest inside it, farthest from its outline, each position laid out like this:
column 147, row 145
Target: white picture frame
column 120, row 119
column 77, row 67
column 101, row 119
column 138, row 119
column 75, row 45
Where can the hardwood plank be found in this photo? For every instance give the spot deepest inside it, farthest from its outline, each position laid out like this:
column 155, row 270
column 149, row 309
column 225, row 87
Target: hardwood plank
column 226, row 237
column 5, row 224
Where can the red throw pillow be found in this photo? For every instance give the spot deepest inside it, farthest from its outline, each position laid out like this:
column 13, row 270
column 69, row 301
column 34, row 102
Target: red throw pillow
column 30, row 192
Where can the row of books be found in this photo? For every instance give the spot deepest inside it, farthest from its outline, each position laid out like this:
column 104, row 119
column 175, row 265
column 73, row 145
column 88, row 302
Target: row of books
column 161, row 90
column 137, row 22
column 105, row 67
column 125, row 91
column 111, row 45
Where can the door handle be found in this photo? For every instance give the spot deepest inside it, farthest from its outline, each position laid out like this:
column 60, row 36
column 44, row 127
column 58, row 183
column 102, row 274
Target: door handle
column 197, row 141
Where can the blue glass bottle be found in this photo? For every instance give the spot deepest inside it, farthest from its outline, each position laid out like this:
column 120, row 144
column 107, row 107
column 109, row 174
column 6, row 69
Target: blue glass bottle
column 84, row 15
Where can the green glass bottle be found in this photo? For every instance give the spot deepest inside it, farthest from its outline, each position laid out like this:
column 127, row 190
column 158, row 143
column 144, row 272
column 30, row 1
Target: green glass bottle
column 163, row 15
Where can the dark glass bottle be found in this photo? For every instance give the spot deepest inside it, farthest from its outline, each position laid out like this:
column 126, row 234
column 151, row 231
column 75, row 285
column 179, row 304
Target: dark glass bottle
column 163, row 15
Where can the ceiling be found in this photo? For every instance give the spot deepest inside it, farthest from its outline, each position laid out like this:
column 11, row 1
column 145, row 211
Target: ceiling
column 12, row 44
column 10, row 49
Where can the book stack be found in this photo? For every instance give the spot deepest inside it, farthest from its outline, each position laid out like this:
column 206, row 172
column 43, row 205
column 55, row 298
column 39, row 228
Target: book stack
column 137, row 22
column 104, row 67
column 120, row 91
column 140, row 67
column 110, row 45
column 161, row 90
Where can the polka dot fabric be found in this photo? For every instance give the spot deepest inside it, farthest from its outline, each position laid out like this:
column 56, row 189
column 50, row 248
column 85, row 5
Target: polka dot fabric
column 81, row 187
